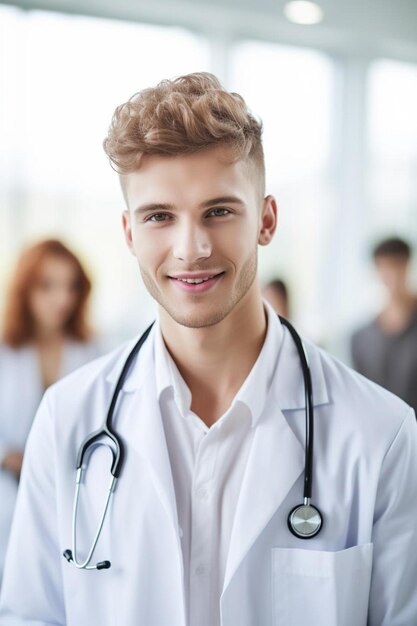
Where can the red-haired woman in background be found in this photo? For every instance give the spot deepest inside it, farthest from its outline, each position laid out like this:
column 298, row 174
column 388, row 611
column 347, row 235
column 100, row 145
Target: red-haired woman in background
column 45, row 336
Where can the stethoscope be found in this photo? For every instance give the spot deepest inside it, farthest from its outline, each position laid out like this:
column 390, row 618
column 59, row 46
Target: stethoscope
column 304, row 520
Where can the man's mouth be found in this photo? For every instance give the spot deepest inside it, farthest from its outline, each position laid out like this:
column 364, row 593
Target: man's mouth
column 196, row 283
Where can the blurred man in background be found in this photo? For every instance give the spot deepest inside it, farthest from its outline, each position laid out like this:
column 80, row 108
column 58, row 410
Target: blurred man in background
column 276, row 293
column 385, row 350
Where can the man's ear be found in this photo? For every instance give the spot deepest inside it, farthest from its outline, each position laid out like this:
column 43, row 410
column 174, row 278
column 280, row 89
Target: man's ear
column 268, row 220
column 128, row 231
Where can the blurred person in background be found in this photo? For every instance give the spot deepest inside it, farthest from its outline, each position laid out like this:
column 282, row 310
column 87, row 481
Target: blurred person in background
column 276, row 293
column 45, row 336
column 385, row 350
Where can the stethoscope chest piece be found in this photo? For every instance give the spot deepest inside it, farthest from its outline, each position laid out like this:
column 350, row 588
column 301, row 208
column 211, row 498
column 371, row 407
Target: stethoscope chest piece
column 305, row 521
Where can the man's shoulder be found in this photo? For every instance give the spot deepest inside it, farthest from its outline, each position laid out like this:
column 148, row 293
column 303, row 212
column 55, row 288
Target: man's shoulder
column 365, row 333
column 95, row 373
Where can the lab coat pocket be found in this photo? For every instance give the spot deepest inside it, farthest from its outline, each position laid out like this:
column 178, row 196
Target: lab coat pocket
column 321, row 588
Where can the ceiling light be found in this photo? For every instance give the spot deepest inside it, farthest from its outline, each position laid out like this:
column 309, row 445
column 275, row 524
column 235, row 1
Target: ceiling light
column 303, row 12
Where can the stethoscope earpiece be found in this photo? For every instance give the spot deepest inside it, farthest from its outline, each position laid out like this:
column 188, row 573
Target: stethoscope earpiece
column 102, row 565
column 68, row 555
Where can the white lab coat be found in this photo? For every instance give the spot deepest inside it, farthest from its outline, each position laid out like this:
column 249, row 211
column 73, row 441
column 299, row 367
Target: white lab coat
column 361, row 569
column 21, row 390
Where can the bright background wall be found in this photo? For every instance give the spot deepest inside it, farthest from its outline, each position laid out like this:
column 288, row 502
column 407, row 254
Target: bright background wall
column 338, row 102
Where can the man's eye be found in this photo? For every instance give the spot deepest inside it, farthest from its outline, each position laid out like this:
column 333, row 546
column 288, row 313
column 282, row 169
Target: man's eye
column 158, row 217
column 219, row 212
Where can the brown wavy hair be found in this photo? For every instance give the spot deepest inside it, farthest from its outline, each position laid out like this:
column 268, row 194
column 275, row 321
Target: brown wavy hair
column 18, row 323
column 183, row 116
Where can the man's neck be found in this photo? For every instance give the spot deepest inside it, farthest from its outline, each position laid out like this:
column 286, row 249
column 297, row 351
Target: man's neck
column 215, row 361
column 397, row 313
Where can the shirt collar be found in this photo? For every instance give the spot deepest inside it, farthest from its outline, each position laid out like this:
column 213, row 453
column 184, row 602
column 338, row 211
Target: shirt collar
column 255, row 388
column 168, row 376
column 287, row 379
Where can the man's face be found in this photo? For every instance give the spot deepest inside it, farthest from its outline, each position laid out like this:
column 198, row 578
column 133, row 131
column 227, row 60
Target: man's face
column 197, row 218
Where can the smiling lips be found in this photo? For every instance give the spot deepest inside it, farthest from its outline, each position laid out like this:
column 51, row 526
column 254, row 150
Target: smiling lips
column 196, row 283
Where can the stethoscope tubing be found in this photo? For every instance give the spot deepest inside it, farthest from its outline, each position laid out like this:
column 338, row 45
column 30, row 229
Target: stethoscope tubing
column 309, row 413
column 87, row 561
column 116, row 447
column 106, row 430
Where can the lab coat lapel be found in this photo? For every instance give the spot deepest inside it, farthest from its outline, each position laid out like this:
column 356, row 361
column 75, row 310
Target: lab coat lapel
column 141, row 426
column 275, row 462
column 148, row 439
column 277, row 457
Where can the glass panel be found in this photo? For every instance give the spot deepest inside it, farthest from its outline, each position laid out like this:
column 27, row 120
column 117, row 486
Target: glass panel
column 392, row 118
column 292, row 91
column 65, row 75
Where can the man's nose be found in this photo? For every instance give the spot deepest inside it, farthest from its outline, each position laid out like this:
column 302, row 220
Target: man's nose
column 192, row 243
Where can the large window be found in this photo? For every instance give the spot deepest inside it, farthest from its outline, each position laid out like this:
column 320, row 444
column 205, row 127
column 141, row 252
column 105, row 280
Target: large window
column 340, row 137
column 292, row 91
column 390, row 166
column 61, row 78
column 392, row 118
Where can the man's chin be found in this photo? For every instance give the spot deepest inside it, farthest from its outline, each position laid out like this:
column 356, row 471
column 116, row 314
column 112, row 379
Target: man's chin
column 197, row 319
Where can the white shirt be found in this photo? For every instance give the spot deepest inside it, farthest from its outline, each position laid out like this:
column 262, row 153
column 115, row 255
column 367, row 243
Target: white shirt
column 208, row 466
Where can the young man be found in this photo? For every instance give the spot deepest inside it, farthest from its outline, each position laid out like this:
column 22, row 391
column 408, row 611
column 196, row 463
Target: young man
column 204, row 528
column 385, row 350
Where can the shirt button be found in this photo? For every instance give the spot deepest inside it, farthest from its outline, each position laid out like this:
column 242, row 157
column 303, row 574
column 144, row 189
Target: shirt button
column 202, row 493
column 200, row 570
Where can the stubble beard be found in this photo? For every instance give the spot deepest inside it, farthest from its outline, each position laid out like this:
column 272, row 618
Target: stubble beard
column 205, row 318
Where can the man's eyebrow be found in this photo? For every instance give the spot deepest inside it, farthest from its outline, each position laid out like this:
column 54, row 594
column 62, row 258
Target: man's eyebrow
column 160, row 206
column 153, row 206
column 222, row 200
